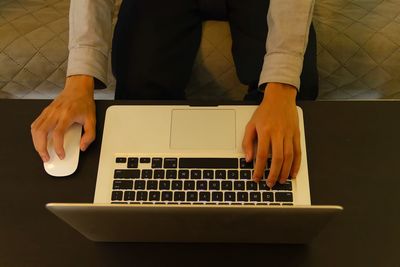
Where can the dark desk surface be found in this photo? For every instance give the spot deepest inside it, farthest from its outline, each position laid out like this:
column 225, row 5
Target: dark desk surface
column 354, row 160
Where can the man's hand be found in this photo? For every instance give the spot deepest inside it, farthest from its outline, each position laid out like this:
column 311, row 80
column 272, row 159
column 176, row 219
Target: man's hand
column 74, row 104
column 275, row 127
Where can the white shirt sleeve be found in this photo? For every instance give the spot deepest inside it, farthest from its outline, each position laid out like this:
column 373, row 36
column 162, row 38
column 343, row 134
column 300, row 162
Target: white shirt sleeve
column 288, row 22
column 90, row 23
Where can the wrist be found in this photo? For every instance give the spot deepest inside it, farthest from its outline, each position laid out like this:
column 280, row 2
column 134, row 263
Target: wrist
column 280, row 91
column 79, row 84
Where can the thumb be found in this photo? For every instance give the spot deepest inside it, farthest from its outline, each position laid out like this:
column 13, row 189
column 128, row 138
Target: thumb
column 89, row 135
column 248, row 141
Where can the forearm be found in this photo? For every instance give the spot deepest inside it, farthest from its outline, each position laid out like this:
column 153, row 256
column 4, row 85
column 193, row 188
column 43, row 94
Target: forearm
column 289, row 23
column 89, row 38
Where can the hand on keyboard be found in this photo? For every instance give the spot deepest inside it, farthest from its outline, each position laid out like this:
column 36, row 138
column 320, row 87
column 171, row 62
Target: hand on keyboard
column 160, row 180
column 275, row 126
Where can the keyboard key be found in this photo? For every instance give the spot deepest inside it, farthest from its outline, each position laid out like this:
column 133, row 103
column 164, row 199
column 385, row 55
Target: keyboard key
column 146, row 174
column 179, row 196
column 170, row 163
column 144, row 160
column 154, row 196
column 238, row 185
column 251, row 185
column 176, row 185
column 201, row 185
column 141, row 195
column 191, row 196
column 183, row 174
column 166, row 196
column 122, row 184
column 208, row 174
column 255, row 196
column 116, row 195
column 263, row 185
column 266, row 173
column 152, row 185
column 269, row 163
column 189, row 185
column 140, row 184
column 242, row 196
column 133, row 163
column 230, row 196
column 226, row 185
column 159, row 174
column 233, row 174
column 245, row 175
column 246, row 165
column 156, row 163
column 171, row 174
column 126, row 173
column 195, row 174
column 267, row 197
column 214, row 185
column 164, row 185
column 205, row 196
column 217, row 196
column 283, row 187
column 284, row 196
column 220, row 174
column 208, row 163
column 120, row 160
column 129, row 195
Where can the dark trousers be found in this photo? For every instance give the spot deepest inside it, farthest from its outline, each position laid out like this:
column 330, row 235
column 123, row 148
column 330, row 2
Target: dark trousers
column 156, row 41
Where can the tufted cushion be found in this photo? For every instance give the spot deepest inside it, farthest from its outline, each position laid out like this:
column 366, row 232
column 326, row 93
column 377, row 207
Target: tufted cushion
column 358, row 48
column 358, row 51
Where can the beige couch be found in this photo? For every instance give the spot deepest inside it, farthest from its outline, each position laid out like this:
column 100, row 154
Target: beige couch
column 358, row 51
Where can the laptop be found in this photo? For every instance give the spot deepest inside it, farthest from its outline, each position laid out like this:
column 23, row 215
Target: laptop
column 176, row 173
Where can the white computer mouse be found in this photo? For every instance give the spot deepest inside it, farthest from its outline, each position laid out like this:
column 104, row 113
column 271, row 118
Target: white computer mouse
column 67, row 166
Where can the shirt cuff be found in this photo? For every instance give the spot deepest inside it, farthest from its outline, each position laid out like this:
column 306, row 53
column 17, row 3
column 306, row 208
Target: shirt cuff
column 88, row 61
column 281, row 68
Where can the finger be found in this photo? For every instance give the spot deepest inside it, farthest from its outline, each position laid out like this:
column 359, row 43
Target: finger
column 39, row 120
column 261, row 157
column 39, row 138
column 277, row 160
column 89, row 134
column 248, row 141
column 58, row 136
column 296, row 156
column 287, row 159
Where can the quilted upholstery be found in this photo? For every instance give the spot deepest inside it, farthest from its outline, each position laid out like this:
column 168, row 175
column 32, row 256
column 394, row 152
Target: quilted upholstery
column 358, row 51
column 358, row 48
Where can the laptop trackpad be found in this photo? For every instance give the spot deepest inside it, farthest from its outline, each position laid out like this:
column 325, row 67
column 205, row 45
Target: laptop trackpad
column 203, row 129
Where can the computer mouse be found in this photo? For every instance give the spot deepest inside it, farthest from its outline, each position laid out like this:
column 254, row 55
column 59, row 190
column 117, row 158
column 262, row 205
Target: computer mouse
column 67, row 166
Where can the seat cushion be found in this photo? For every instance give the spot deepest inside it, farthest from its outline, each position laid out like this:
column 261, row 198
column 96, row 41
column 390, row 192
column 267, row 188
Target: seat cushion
column 358, row 51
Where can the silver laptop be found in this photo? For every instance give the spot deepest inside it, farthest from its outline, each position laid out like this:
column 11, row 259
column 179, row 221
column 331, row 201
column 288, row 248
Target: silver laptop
column 177, row 174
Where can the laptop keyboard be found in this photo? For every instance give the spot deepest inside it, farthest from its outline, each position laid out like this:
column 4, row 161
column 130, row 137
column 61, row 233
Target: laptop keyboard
column 196, row 181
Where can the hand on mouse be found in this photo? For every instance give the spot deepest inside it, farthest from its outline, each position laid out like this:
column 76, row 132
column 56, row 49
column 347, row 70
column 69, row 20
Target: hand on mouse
column 74, row 104
column 275, row 127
